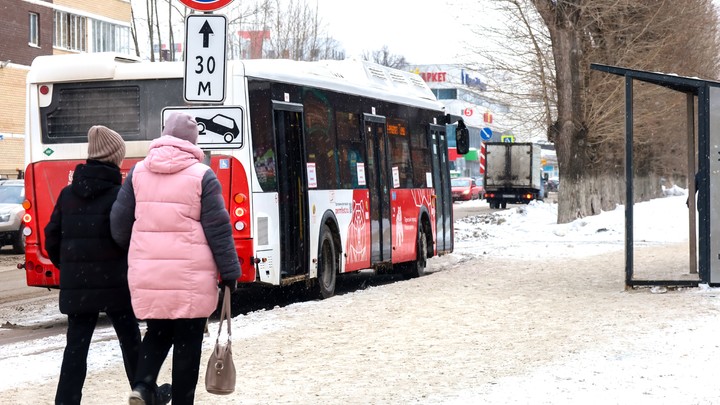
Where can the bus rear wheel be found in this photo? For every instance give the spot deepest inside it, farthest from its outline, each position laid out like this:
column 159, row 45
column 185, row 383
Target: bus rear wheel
column 327, row 266
column 417, row 268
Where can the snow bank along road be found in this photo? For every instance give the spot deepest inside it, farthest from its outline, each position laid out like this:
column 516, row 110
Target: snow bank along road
column 474, row 330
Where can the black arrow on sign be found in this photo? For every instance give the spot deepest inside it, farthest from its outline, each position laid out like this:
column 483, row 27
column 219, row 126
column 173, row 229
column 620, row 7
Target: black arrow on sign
column 206, row 31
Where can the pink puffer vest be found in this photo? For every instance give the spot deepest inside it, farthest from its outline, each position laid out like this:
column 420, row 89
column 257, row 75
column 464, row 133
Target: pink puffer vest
column 172, row 272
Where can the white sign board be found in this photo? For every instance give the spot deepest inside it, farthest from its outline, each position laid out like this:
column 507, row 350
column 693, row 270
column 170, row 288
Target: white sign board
column 205, row 58
column 218, row 127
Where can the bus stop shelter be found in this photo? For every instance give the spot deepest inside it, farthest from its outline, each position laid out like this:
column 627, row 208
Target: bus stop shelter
column 704, row 217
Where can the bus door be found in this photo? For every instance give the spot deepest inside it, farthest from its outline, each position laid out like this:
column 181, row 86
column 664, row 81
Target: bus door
column 441, row 183
column 292, row 188
column 377, row 180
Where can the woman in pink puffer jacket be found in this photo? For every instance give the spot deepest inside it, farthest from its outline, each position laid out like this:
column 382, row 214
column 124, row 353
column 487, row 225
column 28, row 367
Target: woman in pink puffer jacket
column 171, row 215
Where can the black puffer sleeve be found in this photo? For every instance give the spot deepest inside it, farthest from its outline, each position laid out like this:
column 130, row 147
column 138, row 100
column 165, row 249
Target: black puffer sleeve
column 53, row 232
column 215, row 221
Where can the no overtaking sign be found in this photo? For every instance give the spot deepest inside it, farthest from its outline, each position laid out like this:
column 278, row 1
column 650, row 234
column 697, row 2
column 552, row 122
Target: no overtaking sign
column 205, row 56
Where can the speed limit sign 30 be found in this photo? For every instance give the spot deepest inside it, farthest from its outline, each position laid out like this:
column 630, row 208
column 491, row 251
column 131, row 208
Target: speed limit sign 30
column 205, row 56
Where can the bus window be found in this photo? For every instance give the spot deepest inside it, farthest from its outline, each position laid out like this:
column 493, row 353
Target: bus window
column 420, row 155
column 350, row 149
column 400, row 150
column 262, row 135
column 320, row 138
column 130, row 108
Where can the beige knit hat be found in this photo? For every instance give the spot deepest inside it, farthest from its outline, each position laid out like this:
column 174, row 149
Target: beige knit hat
column 105, row 145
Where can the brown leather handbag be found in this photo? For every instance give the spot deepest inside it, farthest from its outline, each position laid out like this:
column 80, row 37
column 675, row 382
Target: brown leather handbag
column 220, row 373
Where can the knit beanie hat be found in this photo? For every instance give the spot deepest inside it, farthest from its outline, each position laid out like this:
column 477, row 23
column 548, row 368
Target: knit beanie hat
column 181, row 125
column 105, row 145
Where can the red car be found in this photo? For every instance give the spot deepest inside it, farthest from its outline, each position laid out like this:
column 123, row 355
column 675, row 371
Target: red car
column 465, row 189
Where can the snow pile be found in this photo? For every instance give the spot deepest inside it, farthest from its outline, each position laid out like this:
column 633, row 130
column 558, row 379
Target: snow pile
column 531, row 231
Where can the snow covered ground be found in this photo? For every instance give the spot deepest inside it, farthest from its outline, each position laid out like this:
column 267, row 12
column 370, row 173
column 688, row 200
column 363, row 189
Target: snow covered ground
column 525, row 311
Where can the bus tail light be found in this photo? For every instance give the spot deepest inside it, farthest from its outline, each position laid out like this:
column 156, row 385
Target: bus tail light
column 27, row 218
column 26, row 205
column 233, row 177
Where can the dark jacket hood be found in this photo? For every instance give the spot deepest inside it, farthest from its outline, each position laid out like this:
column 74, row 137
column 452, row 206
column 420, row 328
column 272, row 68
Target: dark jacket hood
column 94, row 178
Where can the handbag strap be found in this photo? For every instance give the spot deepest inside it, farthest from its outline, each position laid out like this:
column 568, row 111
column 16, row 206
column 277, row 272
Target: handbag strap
column 225, row 315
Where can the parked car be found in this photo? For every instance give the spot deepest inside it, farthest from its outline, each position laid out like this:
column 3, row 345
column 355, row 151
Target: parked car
column 465, row 189
column 12, row 195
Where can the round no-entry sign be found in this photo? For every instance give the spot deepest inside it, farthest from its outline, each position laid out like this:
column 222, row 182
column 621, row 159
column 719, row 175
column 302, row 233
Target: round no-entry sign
column 206, row 5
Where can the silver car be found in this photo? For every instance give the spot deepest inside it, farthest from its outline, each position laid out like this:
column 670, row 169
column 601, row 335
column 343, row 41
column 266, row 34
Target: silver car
column 12, row 195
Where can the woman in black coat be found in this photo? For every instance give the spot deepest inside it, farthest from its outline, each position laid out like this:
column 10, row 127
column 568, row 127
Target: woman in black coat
column 93, row 268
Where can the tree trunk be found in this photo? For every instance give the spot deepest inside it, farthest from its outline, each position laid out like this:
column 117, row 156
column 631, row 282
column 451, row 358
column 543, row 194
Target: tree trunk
column 585, row 189
column 151, row 29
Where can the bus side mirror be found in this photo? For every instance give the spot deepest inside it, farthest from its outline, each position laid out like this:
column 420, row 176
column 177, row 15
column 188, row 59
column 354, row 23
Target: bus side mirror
column 462, row 138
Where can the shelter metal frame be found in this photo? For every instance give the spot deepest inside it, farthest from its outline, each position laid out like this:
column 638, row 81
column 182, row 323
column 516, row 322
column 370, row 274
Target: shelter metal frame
column 701, row 90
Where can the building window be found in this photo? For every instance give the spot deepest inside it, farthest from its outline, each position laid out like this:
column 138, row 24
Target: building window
column 109, row 37
column 34, row 30
column 70, row 31
column 445, row 94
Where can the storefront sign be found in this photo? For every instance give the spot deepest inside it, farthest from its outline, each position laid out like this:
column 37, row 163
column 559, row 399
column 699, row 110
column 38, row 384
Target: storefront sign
column 434, row 76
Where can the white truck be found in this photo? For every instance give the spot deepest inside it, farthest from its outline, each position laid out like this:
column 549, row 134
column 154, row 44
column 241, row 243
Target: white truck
column 513, row 174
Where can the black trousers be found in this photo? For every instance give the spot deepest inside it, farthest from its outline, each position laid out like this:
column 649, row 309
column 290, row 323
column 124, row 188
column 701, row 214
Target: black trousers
column 185, row 336
column 79, row 334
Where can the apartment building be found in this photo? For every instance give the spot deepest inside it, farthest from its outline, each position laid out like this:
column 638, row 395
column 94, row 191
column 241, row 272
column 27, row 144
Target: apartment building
column 31, row 28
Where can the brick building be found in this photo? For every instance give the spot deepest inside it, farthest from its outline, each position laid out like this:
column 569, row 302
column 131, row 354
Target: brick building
column 31, row 28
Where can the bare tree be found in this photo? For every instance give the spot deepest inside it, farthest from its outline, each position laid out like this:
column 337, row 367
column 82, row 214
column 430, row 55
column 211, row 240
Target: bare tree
column 281, row 28
column 133, row 32
column 540, row 66
column 297, row 32
column 150, row 25
column 171, row 37
column 384, row 57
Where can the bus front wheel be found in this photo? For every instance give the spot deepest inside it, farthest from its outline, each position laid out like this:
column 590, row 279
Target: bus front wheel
column 327, row 266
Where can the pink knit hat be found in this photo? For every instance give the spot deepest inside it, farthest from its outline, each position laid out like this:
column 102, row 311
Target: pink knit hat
column 181, row 125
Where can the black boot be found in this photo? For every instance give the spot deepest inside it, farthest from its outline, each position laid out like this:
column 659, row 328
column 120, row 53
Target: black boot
column 141, row 395
column 163, row 394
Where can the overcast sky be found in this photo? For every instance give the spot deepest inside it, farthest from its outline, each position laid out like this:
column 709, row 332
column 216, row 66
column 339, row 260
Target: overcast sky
column 423, row 32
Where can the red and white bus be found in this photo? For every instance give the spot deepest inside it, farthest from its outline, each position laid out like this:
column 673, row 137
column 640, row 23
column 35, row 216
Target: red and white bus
column 327, row 167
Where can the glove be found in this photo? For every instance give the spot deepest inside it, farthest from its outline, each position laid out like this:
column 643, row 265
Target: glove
column 229, row 283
